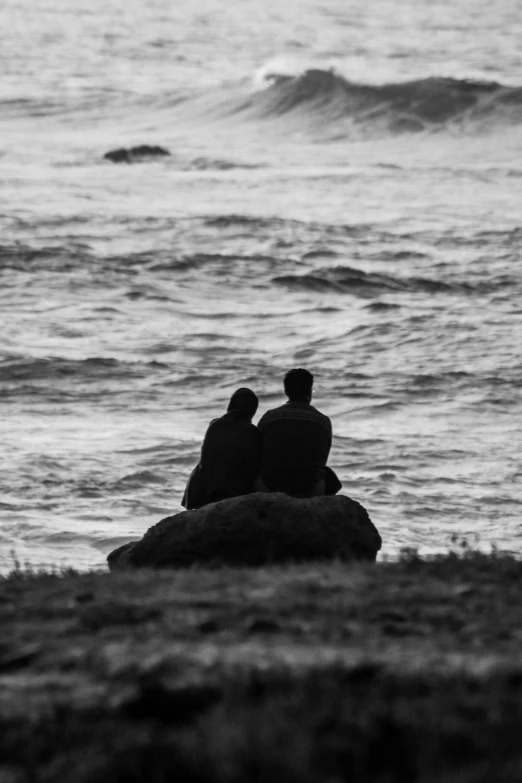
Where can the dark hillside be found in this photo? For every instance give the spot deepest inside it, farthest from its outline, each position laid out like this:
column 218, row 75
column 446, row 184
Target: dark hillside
column 407, row 671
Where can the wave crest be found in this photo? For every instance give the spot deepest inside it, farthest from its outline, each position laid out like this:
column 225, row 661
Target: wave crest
column 343, row 279
column 327, row 98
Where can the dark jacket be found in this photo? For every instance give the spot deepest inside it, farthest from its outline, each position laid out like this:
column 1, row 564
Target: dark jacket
column 296, row 443
column 228, row 464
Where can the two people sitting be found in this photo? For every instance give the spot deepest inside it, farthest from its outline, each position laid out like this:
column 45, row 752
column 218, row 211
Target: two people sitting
column 287, row 452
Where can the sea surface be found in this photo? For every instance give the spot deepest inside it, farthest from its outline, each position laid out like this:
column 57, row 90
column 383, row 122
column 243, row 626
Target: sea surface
column 344, row 193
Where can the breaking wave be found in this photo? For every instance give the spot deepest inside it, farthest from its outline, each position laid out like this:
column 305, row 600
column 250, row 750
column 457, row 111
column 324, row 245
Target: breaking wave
column 326, row 98
column 319, row 101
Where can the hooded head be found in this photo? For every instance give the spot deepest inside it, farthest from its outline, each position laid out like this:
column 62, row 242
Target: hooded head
column 243, row 404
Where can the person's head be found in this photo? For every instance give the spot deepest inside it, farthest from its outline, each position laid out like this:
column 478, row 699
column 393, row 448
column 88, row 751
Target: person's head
column 298, row 385
column 243, row 404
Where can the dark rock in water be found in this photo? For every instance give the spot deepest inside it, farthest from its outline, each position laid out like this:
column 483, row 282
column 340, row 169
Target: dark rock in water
column 254, row 530
column 134, row 154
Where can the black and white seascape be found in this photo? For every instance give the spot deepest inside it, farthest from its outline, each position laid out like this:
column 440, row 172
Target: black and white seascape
column 343, row 193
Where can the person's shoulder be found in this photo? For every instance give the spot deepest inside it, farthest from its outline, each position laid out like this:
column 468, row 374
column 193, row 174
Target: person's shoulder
column 294, row 411
column 272, row 413
column 212, row 429
column 250, row 427
column 272, row 410
column 319, row 413
column 243, row 425
column 254, row 433
column 215, row 423
column 320, row 417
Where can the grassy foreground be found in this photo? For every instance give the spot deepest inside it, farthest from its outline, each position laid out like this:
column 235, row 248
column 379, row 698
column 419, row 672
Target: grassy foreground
column 404, row 671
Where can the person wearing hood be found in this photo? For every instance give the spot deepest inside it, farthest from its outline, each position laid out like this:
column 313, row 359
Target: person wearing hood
column 230, row 455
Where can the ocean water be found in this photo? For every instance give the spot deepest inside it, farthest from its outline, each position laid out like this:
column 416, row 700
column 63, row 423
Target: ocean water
column 343, row 193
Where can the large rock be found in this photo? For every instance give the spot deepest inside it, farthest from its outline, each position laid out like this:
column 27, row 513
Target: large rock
column 256, row 529
column 136, row 154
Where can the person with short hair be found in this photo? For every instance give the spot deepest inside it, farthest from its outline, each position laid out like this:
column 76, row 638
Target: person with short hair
column 230, row 455
column 296, row 442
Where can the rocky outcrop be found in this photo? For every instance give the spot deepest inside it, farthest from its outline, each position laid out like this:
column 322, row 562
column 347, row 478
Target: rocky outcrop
column 256, row 529
column 135, row 154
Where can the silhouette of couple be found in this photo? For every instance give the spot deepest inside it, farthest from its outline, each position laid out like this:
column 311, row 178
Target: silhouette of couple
column 287, row 451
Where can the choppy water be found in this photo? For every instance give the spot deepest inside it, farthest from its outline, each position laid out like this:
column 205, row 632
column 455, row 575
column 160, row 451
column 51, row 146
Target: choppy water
column 343, row 194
